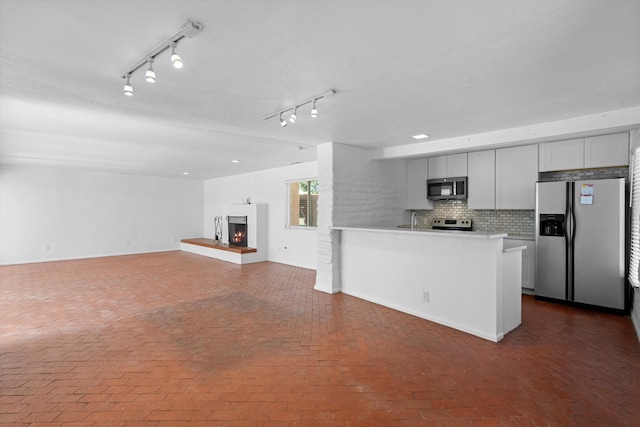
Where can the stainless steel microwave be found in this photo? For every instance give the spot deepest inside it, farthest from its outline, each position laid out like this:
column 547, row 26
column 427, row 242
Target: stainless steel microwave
column 447, row 188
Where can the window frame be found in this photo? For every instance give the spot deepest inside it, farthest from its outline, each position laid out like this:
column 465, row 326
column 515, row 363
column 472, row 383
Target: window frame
column 634, row 240
column 288, row 206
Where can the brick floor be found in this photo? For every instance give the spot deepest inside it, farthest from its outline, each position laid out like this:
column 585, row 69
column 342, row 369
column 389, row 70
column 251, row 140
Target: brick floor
column 178, row 339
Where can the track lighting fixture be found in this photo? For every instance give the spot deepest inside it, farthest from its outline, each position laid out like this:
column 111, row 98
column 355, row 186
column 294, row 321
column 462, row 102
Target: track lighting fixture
column 294, row 108
column 175, row 58
column 150, row 75
column 128, row 89
column 189, row 29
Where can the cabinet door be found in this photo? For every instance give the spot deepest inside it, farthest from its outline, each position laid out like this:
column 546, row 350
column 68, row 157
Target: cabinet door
column 417, row 185
column 482, row 180
column 437, row 167
column 528, row 268
column 516, row 176
column 456, row 165
column 561, row 155
column 528, row 262
column 606, row 151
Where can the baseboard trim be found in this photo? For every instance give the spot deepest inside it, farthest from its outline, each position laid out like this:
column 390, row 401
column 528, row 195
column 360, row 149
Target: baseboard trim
column 88, row 257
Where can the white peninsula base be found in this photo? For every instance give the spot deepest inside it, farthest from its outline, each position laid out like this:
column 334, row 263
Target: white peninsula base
column 462, row 280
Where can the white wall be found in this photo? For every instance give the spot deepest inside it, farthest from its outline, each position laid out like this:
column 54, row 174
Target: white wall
column 293, row 246
column 80, row 214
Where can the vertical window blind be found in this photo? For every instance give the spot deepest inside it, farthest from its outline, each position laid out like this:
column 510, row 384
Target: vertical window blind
column 634, row 262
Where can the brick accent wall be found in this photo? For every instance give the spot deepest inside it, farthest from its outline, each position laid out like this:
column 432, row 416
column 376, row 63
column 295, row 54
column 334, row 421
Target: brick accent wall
column 354, row 191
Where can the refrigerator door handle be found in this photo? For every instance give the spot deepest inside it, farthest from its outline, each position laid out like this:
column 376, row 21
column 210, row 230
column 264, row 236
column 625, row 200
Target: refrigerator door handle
column 573, row 242
column 567, row 252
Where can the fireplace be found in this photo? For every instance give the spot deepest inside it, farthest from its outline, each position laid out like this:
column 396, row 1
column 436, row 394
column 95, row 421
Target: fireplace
column 237, row 230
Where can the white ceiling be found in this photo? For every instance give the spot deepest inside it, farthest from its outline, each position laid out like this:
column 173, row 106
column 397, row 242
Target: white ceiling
column 445, row 68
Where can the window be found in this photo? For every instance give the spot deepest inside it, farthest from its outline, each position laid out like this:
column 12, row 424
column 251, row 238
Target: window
column 634, row 261
column 303, row 203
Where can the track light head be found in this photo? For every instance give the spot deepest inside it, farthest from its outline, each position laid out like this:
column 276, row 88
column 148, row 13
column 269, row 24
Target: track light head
column 150, row 75
column 283, row 122
column 314, row 110
column 128, row 89
column 293, row 116
column 175, row 58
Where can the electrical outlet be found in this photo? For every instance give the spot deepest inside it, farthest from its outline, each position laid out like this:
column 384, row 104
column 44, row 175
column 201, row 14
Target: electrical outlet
column 425, row 296
column 128, row 242
column 47, row 248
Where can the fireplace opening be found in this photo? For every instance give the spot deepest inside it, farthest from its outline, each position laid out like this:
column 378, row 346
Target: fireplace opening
column 237, row 230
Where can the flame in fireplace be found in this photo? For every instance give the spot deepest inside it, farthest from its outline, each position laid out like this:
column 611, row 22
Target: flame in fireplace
column 238, row 237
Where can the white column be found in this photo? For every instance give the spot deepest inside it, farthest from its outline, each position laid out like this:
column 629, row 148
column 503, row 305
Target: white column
column 328, row 268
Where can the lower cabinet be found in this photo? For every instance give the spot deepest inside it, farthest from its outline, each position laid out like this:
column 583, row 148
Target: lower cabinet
column 528, row 262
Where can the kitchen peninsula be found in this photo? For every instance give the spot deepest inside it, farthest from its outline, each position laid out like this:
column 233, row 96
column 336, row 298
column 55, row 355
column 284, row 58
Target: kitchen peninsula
column 464, row 280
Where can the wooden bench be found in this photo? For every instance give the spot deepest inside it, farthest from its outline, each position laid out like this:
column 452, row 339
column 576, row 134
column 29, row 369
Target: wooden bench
column 222, row 251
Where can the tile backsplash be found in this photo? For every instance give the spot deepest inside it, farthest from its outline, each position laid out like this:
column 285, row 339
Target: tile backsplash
column 582, row 174
column 507, row 221
column 510, row 221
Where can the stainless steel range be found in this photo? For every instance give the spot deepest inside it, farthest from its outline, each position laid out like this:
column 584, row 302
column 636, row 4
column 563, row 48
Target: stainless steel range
column 462, row 224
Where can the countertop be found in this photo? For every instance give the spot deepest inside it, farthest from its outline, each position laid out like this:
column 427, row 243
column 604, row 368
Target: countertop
column 515, row 249
column 511, row 236
column 428, row 232
column 520, row 236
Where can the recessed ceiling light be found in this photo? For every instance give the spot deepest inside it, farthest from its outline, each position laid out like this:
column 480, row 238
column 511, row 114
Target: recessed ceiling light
column 235, row 161
column 185, row 173
column 421, row 136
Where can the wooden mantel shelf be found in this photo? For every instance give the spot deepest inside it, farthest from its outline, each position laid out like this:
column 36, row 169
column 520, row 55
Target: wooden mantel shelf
column 217, row 244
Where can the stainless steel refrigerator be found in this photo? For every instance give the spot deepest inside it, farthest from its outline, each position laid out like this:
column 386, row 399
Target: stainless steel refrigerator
column 580, row 242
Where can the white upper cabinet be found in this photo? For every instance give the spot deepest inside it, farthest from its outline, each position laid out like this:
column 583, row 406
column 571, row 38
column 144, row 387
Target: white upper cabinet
column 584, row 153
column 516, row 176
column 457, row 165
column 561, row 155
column 482, row 180
column 437, row 167
column 450, row 166
column 606, row 151
column 417, row 185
